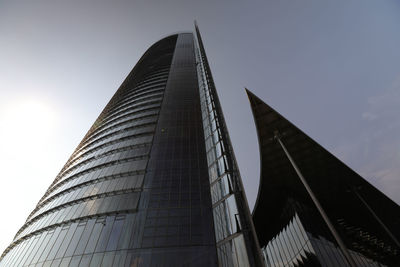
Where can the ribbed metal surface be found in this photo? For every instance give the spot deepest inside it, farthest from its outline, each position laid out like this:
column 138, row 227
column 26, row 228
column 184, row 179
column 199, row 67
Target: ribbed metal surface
column 87, row 216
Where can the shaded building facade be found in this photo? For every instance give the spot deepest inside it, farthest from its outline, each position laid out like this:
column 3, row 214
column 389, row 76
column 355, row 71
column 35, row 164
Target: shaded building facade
column 154, row 182
column 313, row 210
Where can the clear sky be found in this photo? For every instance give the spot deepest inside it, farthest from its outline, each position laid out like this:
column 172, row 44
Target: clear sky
column 330, row 67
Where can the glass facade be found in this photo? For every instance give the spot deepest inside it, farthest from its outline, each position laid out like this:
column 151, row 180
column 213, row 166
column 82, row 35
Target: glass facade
column 177, row 225
column 295, row 246
column 237, row 244
column 151, row 183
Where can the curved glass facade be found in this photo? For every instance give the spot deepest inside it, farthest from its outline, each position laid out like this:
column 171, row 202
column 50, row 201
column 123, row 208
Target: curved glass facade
column 137, row 189
column 89, row 215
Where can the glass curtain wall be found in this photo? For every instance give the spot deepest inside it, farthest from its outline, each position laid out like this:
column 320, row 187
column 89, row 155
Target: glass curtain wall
column 89, row 214
column 237, row 244
column 177, row 226
column 295, row 246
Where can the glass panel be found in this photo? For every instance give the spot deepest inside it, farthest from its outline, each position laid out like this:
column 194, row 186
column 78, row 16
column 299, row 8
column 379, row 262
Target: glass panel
column 41, row 247
column 30, row 246
column 85, row 261
column 127, row 232
column 115, row 234
column 94, row 236
column 96, row 260
column 35, row 248
column 242, row 256
column 104, row 236
column 65, row 262
column 56, row 263
column 119, row 258
column 108, row 259
column 75, row 261
column 49, row 246
column 75, row 239
column 85, row 237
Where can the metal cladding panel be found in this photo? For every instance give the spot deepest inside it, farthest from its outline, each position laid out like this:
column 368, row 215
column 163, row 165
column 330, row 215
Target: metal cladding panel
column 88, row 216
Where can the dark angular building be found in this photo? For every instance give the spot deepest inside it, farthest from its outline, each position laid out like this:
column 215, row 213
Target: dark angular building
column 313, row 210
column 154, row 182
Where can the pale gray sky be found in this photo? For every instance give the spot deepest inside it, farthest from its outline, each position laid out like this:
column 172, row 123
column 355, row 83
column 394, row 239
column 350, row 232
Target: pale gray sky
column 330, row 67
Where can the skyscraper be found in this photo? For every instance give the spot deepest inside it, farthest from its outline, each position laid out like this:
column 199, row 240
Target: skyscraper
column 313, row 210
column 154, row 182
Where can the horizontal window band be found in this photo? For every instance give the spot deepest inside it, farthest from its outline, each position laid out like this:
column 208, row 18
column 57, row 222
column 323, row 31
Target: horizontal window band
column 77, row 152
column 106, row 165
column 111, row 177
column 83, row 142
column 138, row 85
column 146, row 82
column 133, row 102
column 137, row 90
column 121, row 123
column 134, row 82
column 135, row 95
column 109, row 160
column 81, row 200
column 141, row 88
column 103, row 146
column 110, row 143
column 101, row 166
column 78, row 201
column 141, row 124
column 127, row 115
column 53, row 226
column 155, row 107
column 109, row 152
column 160, row 68
column 75, row 187
column 138, row 105
column 86, row 146
column 135, row 111
column 79, row 163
